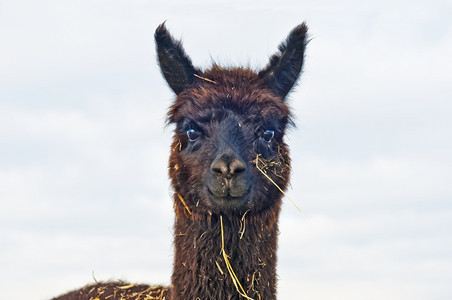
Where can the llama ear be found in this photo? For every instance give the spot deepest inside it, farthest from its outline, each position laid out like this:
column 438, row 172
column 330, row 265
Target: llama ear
column 175, row 65
column 284, row 67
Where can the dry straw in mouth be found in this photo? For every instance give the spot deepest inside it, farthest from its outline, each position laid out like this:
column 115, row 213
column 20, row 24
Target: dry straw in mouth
column 275, row 184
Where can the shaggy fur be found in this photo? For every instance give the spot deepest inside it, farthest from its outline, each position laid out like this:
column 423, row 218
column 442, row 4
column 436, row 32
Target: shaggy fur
column 228, row 142
column 118, row 291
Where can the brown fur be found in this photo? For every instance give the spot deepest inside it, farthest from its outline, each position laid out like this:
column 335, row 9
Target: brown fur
column 230, row 124
column 118, row 291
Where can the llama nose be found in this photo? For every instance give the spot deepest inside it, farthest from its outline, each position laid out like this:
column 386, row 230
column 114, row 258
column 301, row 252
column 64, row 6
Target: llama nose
column 228, row 165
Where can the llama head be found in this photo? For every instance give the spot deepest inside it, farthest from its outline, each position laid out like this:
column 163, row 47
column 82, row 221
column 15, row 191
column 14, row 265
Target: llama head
column 228, row 153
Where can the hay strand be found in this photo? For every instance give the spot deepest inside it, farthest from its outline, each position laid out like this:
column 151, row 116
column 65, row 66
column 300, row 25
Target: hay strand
column 243, row 224
column 205, row 79
column 234, row 278
column 183, row 202
column 277, row 186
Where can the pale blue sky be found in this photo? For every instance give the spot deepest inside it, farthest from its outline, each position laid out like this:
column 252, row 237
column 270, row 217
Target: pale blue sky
column 83, row 147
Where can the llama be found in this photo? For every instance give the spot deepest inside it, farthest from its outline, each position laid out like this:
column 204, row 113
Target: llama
column 229, row 166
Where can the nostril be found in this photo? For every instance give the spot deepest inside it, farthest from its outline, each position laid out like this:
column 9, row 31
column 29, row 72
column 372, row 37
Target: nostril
column 237, row 166
column 219, row 167
column 217, row 170
column 228, row 165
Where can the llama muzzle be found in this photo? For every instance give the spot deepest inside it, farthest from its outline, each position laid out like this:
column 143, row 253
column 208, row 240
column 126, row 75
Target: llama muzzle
column 229, row 179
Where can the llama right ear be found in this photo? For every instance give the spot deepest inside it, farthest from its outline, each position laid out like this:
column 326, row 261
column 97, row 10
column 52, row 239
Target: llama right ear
column 284, row 67
column 175, row 65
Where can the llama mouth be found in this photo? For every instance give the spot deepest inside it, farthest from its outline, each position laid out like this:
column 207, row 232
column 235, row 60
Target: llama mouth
column 229, row 201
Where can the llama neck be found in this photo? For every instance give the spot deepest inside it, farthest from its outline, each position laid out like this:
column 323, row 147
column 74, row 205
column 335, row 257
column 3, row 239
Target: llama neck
column 200, row 270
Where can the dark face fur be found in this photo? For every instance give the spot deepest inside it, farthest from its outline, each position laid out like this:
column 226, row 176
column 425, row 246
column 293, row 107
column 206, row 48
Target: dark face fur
column 230, row 124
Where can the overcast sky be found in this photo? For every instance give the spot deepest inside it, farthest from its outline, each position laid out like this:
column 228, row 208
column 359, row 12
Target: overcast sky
column 84, row 148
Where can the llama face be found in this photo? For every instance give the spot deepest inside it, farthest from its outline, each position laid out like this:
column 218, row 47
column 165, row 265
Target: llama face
column 224, row 131
column 228, row 153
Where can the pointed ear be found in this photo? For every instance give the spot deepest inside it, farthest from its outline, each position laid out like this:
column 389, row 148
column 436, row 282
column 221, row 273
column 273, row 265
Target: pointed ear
column 175, row 65
column 284, row 67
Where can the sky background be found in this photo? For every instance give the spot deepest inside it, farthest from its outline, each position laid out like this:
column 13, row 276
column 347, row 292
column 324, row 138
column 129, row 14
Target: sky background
column 84, row 147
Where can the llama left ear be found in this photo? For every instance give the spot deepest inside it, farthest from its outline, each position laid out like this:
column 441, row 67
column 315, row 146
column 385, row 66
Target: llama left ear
column 175, row 65
column 284, row 67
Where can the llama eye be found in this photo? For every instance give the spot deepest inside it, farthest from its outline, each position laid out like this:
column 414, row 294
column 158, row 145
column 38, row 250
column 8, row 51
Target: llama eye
column 193, row 135
column 268, row 135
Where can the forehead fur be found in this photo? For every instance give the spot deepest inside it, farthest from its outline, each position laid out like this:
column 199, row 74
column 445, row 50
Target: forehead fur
column 236, row 89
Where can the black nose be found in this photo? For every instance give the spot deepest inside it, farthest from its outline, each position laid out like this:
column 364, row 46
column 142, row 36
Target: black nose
column 229, row 181
column 228, row 165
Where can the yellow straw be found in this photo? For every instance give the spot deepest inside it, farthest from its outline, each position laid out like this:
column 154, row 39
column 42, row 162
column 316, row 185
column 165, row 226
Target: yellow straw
column 274, row 183
column 183, row 202
column 235, row 280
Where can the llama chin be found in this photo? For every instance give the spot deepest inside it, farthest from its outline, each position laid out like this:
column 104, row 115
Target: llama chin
column 228, row 166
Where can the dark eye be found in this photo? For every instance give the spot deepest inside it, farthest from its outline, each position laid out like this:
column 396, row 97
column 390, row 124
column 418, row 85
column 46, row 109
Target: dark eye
column 268, row 135
column 193, row 135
